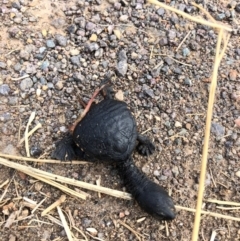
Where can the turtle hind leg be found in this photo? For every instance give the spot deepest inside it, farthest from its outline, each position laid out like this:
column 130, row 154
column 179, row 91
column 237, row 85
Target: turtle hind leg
column 65, row 149
column 145, row 147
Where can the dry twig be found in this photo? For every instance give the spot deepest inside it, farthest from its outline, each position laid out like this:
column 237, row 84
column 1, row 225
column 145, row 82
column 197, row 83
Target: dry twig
column 65, row 225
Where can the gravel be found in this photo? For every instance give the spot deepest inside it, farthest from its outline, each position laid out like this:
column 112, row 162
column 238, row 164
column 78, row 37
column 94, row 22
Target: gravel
column 67, row 50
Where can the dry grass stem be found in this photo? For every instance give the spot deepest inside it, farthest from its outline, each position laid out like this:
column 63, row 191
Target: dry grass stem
column 53, row 205
column 29, row 200
column 171, row 57
column 218, row 215
column 38, row 205
column 206, row 138
column 81, row 232
column 194, row 19
column 222, row 202
column 54, row 220
column 179, row 46
column 39, row 125
column 59, row 186
column 41, row 175
column 214, row 183
column 214, row 233
column 5, row 191
column 167, row 230
column 12, row 51
column 31, row 118
column 20, row 78
column 223, row 208
column 29, row 159
column 64, row 222
column 4, row 183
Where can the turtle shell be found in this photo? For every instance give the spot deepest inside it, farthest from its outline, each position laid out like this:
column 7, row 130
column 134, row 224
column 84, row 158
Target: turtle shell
column 107, row 132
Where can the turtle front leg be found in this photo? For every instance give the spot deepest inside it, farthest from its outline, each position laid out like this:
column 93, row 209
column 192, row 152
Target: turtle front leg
column 145, row 147
column 66, row 150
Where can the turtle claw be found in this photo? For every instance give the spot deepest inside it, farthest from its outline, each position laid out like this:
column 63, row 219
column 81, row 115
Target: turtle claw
column 64, row 149
column 145, row 147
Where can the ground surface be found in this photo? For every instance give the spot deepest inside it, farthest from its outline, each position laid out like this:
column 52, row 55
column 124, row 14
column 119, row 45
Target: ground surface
column 66, row 47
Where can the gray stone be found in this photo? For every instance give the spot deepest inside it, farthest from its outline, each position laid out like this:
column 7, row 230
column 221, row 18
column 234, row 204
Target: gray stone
column 186, row 52
column 163, row 42
column 77, row 76
column 4, row 89
column 42, row 50
column 26, row 84
column 24, row 54
column 59, row 85
column 45, row 65
column 177, row 70
column 50, row 43
column 5, row 117
column 3, row 65
column 13, row 100
column 168, row 60
column 237, row 8
column 172, row 34
column 61, row 40
column 150, row 93
column 93, row 46
column 187, row 81
column 90, row 26
column 123, row 18
column 217, row 129
column 220, row 16
column 160, row 11
column 75, row 60
column 122, row 64
column 17, row 66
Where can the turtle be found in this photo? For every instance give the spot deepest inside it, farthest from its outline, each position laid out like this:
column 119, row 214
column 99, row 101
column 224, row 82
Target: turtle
column 108, row 132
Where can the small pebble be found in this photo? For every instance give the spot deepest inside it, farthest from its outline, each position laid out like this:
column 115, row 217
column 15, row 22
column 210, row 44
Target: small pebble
column 4, row 89
column 61, row 40
column 93, row 38
column 26, row 83
column 217, row 129
column 75, row 60
column 186, row 52
column 123, row 18
column 50, row 43
column 74, row 52
column 178, row 124
column 3, row 65
column 238, row 173
column 122, row 64
column 90, row 26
